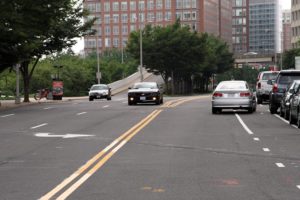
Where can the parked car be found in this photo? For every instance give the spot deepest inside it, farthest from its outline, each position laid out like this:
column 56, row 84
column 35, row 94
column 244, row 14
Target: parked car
column 286, row 99
column 145, row 92
column 280, row 85
column 263, row 89
column 100, row 91
column 233, row 95
column 294, row 117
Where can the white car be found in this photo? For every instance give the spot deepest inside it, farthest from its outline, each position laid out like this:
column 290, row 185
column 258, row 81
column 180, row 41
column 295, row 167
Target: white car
column 263, row 89
column 100, row 91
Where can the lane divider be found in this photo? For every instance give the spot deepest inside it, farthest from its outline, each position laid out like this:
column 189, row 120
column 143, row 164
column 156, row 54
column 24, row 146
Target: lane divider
column 105, row 155
column 7, row 115
column 38, row 126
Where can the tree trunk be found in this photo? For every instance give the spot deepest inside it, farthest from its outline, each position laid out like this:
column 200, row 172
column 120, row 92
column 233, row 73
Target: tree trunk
column 26, row 79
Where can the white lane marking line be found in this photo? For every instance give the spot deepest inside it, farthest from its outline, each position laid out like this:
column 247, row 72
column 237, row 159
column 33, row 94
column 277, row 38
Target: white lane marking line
column 266, row 149
column 82, row 113
column 121, row 99
column 280, row 165
column 281, row 119
column 7, row 115
column 38, row 126
column 256, row 139
column 298, row 186
column 295, row 126
column 48, row 108
column 244, row 125
column 124, row 102
column 106, row 106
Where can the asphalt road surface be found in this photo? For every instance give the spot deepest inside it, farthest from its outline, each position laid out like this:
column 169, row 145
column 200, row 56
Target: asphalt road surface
column 176, row 151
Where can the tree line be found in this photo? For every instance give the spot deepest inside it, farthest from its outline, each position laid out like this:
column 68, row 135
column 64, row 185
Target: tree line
column 34, row 33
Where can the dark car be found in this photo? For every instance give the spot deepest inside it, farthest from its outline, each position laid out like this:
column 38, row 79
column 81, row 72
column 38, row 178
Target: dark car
column 286, row 99
column 280, row 85
column 145, row 92
column 294, row 117
column 100, row 91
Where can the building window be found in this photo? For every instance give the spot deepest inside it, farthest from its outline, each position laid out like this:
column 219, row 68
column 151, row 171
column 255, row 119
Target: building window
column 116, row 30
column 150, row 17
column 115, row 42
column 132, row 5
column 124, row 6
column 150, row 5
column 116, row 18
column 159, row 16
column 124, row 30
column 133, row 17
column 159, row 4
column 107, row 6
column 107, row 42
column 98, row 7
column 179, row 15
column 91, row 7
column 167, row 4
column 115, row 6
column 168, row 16
column 132, row 27
column 99, row 31
column 194, row 4
column 178, row 4
column 141, row 5
column 106, row 19
column 186, row 3
column 124, row 18
column 107, row 30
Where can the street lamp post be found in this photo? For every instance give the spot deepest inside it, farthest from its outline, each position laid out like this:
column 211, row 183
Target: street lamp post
column 141, row 54
column 98, row 74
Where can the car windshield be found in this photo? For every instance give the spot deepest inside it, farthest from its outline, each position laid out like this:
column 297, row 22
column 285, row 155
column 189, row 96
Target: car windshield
column 99, row 87
column 232, row 86
column 269, row 76
column 288, row 78
column 145, row 85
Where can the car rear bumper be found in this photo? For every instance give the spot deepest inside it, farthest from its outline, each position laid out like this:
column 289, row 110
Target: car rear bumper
column 232, row 103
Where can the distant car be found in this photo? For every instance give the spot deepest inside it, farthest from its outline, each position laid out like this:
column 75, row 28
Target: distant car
column 233, row 95
column 280, row 85
column 294, row 117
column 263, row 89
column 286, row 99
column 145, row 92
column 100, row 91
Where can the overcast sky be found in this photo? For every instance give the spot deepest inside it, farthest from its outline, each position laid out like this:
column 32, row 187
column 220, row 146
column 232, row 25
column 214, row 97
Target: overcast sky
column 286, row 4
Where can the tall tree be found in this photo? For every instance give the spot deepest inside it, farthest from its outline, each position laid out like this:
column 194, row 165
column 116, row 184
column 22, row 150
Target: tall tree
column 31, row 29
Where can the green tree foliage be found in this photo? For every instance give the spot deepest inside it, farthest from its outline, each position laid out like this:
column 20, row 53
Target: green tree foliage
column 177, row 53
column 31, row 29
column 289, row 58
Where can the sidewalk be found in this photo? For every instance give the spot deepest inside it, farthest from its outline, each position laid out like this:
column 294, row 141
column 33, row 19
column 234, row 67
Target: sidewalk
column 7, row 104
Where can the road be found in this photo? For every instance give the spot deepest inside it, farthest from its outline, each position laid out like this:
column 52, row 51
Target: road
column 109, row 150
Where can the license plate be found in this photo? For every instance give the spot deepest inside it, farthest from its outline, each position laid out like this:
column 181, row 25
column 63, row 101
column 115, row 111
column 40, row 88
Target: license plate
column 142, row 98
column 98, row 96
column 230, row 95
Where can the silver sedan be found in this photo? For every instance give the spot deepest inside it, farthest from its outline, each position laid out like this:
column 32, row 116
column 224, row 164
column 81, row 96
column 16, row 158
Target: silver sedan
column 233, row 95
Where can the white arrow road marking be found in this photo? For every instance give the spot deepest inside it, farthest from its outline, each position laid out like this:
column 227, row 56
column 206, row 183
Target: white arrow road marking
column 68, row 135
column 280, row 165
column 7, row 115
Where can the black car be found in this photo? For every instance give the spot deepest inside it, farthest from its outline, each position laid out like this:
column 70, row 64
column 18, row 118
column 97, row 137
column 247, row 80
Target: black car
column 286, row 99
column 294, row 117
column 280, row 85
column 145, row 92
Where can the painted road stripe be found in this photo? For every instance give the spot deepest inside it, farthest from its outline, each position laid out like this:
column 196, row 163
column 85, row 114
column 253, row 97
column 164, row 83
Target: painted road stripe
column 244, row 125
column 298, row 186
column 106, row 106
column 281, row 119
column 77, row 184
column 7, row 115
column 266, row 149
column 82, row 113
column 38, row 126
column 48, row 108
column 256, row 139
column 89, row 163
column 280, row 165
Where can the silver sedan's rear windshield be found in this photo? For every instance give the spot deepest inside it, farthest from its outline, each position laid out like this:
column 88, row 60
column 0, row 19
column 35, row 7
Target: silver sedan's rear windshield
column 232, row 86
column 99, row 87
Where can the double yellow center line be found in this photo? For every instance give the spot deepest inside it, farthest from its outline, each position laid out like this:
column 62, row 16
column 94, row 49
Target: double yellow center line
column 94, row 163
